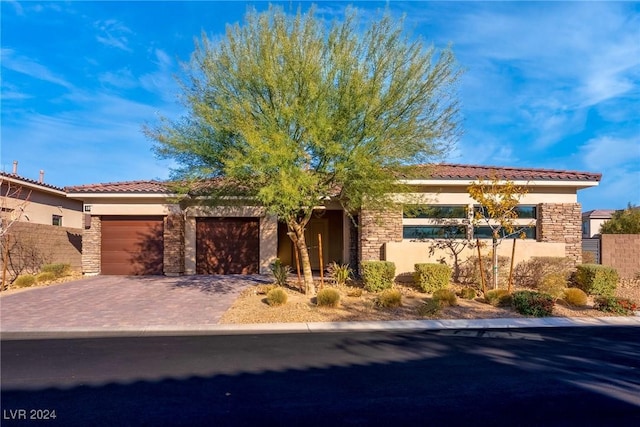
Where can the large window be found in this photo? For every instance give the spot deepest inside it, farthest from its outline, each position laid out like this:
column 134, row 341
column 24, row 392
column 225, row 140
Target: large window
column 435, row 211
column 434, row 232
column 485, row 232
column 523, row 211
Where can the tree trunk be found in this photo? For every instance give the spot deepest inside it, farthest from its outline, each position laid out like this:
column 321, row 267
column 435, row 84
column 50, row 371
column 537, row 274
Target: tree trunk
column 301, row 247
column 495, row 263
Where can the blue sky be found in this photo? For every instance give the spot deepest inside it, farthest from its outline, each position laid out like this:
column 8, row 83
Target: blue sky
column 547, row 84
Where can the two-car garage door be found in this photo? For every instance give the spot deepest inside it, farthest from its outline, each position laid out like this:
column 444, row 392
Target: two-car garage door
column 134, row 245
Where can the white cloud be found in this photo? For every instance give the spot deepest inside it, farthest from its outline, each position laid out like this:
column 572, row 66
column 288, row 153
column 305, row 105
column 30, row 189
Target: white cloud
column 161, row 81
column 122, row 79
column 31, row 68
column 113, row 33
column 607, row 152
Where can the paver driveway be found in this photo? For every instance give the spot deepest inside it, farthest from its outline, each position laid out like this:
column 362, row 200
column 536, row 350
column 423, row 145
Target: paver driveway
column 112, row 302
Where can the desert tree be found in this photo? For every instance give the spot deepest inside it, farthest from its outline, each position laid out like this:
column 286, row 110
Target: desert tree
column 498, row 202
column 13, row 201
column 289, row 110
column 623, row 221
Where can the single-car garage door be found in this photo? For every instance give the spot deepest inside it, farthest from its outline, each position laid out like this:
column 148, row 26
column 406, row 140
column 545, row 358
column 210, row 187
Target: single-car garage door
column 132, row 245
column 227, row 245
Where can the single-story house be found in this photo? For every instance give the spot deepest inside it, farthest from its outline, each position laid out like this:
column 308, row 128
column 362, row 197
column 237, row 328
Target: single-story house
column 139, row 228
column 593, row 220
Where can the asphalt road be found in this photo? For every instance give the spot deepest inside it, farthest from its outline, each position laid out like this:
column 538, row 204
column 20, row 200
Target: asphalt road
column 529, row 377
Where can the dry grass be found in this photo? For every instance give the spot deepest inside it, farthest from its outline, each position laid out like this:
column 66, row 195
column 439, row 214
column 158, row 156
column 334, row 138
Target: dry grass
column 74, row 275
column 251, row 307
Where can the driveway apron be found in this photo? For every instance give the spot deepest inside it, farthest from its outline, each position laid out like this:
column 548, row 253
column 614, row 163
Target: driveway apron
column 112, row 302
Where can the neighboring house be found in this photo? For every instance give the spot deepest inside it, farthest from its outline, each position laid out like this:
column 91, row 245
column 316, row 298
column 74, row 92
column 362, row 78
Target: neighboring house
column 593, row 220
column 41, row 224
column 140, row 228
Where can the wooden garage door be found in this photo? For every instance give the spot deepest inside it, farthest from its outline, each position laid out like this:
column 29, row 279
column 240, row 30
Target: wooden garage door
column 132, row 245
column 227, row 245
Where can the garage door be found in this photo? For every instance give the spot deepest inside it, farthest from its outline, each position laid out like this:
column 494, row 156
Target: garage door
column 227, row 245
column 132, row 245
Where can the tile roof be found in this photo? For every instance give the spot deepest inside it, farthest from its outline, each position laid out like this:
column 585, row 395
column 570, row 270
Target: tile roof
column 457, row 171
column 30, row 181
column 139, row 187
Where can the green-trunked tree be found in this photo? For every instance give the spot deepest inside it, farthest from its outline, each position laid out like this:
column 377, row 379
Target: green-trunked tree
column 287, row 110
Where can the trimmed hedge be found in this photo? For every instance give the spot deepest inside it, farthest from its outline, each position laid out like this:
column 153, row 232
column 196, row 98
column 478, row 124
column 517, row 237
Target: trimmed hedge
column 595, row 279
column 532, row 303
column 431, row 277
column 378, row 275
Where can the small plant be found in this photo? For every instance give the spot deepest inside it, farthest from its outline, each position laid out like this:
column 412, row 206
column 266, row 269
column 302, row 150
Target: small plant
column 389, row 298
column 264, row 289
column 58, row 269
column 467, row 293
column 277, row 296
column 24, row 281
column 498, row 298
column 596, row 279
column 431, row 307
column 446, row 296
column 339, row 273
column 354, row 292
column 431, row 277
column 532, row 303
column 45, row 276
column 553, row 284
column 622, row 306
column 280, row 272
column 575, row 297
column 378, row 275
column 328, row 297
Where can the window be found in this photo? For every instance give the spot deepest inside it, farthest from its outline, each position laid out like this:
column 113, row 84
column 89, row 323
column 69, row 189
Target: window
column 434, row 232
column 485, row 232
column 523, row 211
column 56, row 220
column 435, row 211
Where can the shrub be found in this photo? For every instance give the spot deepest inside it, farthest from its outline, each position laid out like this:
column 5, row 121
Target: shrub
column 378, row 275
column 467, row 293
column 446, row 296
column 532, row 303
column 470, row 271
column 58, row 269
column 610, row 304
column 277, row 296
column 339, row 273
column 354, row 292
column 24, row 281
column 431, row 277
column 530, row 273
column 45, row 276
column 280, row 272
column 265, row 289
column 498, row 298
column 596, row 279
column 431, row 307
column 553, row 284
column 328, row 297
column 389, row 298
column 589, row 257
column 575, row 297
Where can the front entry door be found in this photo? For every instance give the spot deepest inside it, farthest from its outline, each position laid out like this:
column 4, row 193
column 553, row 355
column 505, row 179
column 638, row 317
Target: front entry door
column 314, row 227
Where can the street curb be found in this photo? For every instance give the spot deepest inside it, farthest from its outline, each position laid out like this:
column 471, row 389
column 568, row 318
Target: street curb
column 320, row 327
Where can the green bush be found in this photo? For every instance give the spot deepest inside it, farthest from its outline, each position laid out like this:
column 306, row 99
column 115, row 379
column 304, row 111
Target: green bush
column 610, row 304
column 339, row 273
column 498, row 298
column 24, row 281
column 447, row 297
column 431, row 277
column 431, row 307
column 553, row 284
column 378, row 275
column 596, row 279
column 58, row 269
column 530, row 273
column 575, row 297
column 328, row 297
column 389, row 298
column 532, row 303
column 280, row 272
column 467, row 293
column 277, row 296
column 45, row 276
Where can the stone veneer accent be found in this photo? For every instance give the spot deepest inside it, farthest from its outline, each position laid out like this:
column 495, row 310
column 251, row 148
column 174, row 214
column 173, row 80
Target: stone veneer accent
column 91, row 242
column 174, row 244
column 378, row 227
column 562, row 222
column 622, row 252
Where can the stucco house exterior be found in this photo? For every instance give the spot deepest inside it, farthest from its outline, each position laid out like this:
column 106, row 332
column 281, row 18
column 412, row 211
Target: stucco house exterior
column 593, row 220
column 140, row 228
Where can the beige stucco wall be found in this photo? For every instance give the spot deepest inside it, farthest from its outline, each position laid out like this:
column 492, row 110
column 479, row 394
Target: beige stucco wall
column 40, row 208
column 406, row 254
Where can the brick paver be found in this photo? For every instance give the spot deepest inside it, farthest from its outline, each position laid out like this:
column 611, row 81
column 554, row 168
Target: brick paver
column 112, row 302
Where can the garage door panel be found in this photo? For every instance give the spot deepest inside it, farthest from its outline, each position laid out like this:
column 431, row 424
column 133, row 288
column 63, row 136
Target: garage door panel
column 132, row 245
column 227, row 245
